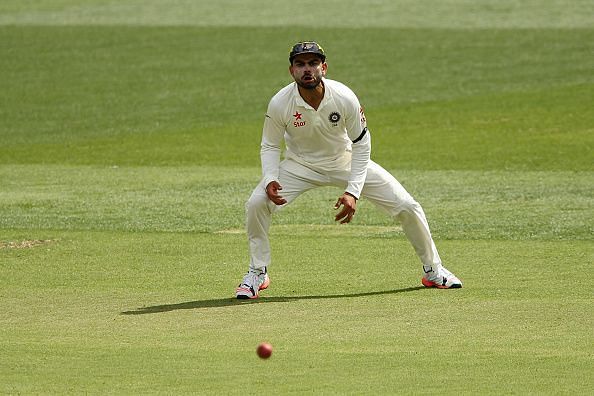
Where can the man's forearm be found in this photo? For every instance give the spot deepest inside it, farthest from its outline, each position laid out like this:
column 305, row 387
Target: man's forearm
column 361, row 153
column 270, row 158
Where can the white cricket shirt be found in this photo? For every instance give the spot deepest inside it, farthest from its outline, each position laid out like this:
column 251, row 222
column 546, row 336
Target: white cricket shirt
column 332, row 138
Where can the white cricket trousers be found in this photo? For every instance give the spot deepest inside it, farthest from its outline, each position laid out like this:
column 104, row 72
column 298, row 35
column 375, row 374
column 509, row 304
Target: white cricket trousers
column 380, row 187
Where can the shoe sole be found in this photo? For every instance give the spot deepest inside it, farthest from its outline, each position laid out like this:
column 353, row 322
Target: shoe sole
column 248, row 291
column 246, row 294
column 428, row 283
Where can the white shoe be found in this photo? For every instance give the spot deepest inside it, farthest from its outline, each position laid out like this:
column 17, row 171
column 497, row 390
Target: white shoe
column 444, row 279
column 252, row 283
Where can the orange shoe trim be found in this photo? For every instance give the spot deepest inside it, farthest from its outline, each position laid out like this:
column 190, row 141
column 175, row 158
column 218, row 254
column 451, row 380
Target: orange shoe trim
column 265, row 284
column 428, row 283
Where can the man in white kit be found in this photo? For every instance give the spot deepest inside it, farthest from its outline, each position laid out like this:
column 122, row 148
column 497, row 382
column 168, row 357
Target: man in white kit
column 327, row 144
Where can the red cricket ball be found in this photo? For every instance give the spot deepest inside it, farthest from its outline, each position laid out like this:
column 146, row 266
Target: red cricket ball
column 264, row 350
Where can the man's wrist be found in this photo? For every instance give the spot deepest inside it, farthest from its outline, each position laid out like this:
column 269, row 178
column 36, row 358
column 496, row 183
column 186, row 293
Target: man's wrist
column 352, row 195
column 268, row 180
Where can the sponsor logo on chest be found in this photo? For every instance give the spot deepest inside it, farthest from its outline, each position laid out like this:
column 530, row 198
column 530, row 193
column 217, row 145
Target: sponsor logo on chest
column 298, row 122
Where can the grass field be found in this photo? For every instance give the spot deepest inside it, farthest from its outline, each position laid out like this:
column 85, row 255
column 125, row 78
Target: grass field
column 129, row 138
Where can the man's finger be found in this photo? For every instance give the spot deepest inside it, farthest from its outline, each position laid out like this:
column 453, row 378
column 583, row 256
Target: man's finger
column 344, row 214
column 277, row 199
column 337, row 204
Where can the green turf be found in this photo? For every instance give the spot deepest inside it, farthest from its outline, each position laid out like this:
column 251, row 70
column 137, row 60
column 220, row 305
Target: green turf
column 130, row 313
column 147, row 96
column 517, row 205
column 129, row 138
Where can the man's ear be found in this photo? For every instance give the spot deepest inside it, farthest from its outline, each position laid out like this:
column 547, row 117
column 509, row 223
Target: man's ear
column 324, row 68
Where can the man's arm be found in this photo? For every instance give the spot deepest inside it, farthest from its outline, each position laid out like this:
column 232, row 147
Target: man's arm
column 270, row 151
column 357, row 131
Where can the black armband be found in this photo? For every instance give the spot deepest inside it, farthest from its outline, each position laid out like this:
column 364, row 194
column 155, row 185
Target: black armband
column 363, row 132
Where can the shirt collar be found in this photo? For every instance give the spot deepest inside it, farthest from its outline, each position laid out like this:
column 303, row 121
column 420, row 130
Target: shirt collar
column 300, row 102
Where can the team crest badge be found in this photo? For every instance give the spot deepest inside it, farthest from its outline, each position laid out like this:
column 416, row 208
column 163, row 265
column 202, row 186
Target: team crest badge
column 334, row 117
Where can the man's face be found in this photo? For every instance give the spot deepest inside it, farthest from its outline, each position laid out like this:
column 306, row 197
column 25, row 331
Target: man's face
column 307, row 70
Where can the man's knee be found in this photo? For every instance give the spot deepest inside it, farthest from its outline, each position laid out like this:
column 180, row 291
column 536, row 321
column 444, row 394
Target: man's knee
column 258, row 201
column 408, row 206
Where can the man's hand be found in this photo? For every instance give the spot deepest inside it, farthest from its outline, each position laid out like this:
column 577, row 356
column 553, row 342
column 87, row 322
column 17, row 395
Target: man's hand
column 272, row 190
column 349, row 204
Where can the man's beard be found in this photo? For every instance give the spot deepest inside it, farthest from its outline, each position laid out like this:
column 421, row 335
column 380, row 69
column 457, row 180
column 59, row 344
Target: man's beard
column 310, row 85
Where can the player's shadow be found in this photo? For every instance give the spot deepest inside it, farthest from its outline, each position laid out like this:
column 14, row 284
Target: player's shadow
column 231, row 302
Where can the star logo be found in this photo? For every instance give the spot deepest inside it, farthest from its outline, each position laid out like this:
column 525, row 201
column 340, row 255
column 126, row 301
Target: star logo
column 297, row 115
